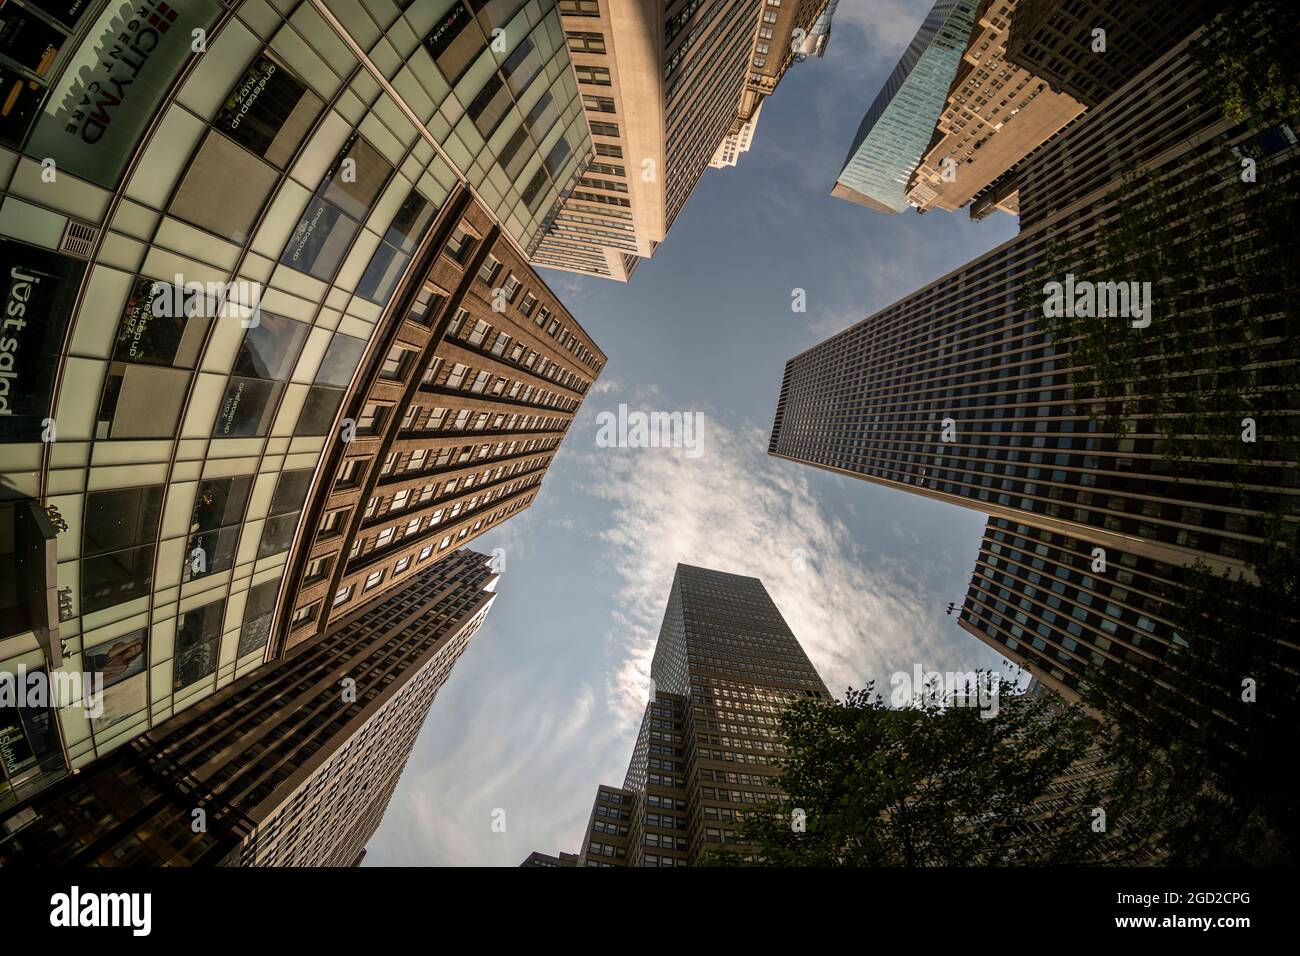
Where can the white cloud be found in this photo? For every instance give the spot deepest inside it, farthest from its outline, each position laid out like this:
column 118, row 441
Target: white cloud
column 889, row 25
column 531, row 726
column 858, row 614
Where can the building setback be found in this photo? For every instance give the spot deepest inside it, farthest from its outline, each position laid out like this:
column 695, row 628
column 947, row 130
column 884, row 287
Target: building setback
column 292, row 765
column 350, row 168
column 725, row 666
column 959, row 392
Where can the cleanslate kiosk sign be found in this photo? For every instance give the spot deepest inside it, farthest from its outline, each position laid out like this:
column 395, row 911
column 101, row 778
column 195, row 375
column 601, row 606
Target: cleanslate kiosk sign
column 114, row 83
column 37, row 292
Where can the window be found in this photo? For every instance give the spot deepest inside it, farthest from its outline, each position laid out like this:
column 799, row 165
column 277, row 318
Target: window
column 317, row 569
column 396, row 364
column 604, row 149
column 286, row 506
column 459, row 246
column 579, row 8
column 118, row 532
column 454, row 42
column 332, row 378
column 488, row 271
column 604, row 129
column 593, row 75
column 598, row 104
column 331, row 523
column 198, row 634
column 269, row 111
column 529, row 303
column 373, row 580
column 246, row 409
column 259, row 610
column 511, row 287
column 431, row 373
column 305, row 614
column 585, row 42
column 372, row 418
column 349, row 474
column 342, row 595
column 402, row 565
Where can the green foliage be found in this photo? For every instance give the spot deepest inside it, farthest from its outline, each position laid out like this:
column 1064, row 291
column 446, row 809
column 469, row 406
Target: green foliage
column 1203, row 741
column 922, row 786
column 1222, row 340
column 1249, row 57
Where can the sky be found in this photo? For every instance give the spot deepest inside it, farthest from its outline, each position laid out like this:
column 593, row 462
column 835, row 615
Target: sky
column 545, row 703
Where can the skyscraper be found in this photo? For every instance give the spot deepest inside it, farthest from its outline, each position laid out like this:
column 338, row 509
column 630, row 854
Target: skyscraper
column 960, row 392
column 996, row 114
column 1089, row 49
column 661, row 85
column 216, row 263
column 292, row 765
column 458, row 412
column 897, row 128
column 726, row 664
column 814, row 43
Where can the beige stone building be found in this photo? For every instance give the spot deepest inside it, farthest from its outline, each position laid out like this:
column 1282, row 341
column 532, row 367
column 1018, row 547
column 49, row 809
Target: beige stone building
column 662, row 86
column 997, row 113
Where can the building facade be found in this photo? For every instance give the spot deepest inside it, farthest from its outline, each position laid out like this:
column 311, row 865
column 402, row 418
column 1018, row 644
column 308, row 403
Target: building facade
column 961, row 393
column 783, row 29
column 454, row 421
column 725, row 666
column 662, row 85
column 1089, row 49
column 207, row 233
column 996, row 115
column 734, row 144
column 292, row 765
column 897, row 128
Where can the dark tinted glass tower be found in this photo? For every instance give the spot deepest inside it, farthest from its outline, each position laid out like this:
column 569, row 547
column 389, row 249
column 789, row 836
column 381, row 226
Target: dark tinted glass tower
column 960, row 392
column 725, row 666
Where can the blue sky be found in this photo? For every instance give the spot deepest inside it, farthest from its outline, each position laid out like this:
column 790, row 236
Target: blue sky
column 544, row 704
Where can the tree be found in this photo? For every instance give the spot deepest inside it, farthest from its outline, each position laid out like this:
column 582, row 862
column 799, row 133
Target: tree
column 1249, row 59
column 926, row 785
column 1202, row 742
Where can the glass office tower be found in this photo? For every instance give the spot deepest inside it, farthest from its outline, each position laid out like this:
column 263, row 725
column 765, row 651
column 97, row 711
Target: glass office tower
column 726, row 664
column 901, row 120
